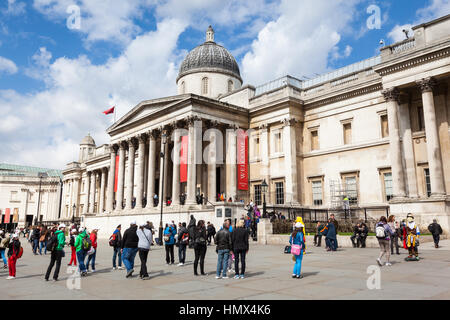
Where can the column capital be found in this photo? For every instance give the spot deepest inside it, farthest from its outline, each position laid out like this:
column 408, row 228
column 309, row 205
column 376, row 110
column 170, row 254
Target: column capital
column 153, row 134
column 391, row 94
column 211, row 123
column 131, row 142
column 263, row 126
column 141, row 138
column 122, row 145
column 426, row 84
column 191, row 120
column 231, row 126
column 289, row 122
column 114, row 147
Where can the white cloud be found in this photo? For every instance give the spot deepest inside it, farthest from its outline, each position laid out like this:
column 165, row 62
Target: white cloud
column 397, row 34
column 7, row 66
column 15, row 8
column 301, row 38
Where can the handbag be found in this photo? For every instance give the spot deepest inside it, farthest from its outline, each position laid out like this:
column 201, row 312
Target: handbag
column 295, row 249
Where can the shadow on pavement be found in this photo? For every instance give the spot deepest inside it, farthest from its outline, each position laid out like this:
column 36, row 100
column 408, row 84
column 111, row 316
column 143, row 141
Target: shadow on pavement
column 307, row 274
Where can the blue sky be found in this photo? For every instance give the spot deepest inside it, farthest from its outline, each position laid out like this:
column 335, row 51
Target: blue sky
column 55, row 81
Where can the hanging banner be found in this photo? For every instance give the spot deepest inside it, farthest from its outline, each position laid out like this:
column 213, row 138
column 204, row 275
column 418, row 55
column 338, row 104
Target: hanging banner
column 116, row 174
column 16, row 215
column 183, row 158
column 7, row 214
column 242, row 160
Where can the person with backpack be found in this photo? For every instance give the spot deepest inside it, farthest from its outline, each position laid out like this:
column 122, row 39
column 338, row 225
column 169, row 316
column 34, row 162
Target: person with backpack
column 200, row 246
column 115, row 241
column 35, row 235
column 436, row 231
column 4, row 243
column 169, row 242
column 56, row 246
column 297, row 241
column 383, row 233
column 239, row 240
column 210, row 231
column 43, row 240
column 91, row 257
column 129, row 248
column 183, row 241
column 81, row 251
column 223, row 249
column 145, row 241
column 73, row 256
column 14, row 252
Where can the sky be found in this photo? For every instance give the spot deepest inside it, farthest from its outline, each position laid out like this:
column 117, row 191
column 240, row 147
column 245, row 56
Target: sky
column 63, row 62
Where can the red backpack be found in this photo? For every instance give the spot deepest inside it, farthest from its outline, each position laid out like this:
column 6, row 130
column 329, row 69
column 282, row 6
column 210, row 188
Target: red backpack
column 185, row 238
column 113, row 240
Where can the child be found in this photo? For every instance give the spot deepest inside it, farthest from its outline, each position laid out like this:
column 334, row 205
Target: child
column 297, row 239
column 13, row 252
column 73, row 258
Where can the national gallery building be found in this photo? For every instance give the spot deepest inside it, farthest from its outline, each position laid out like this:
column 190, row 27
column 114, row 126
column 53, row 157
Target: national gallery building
column 375, row 132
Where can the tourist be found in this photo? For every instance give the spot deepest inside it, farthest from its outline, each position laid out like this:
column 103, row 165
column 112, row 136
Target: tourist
column 43, row 240
column 297, row 241
column 81, row 253
column 318, row 235
column 223, row 249
column 155, row 200
column 394, row 237
column 169, row 242
column 240, row 246
column 73, row 256
column 336, row 227
column 183, row 241
column 231, row 256
column 364, row 231
column 145, row 241
column 129, row 248
column 149, row 226
column 383, row 233
column 211, row 232
column 35, row 239
column 191, row 227
column 57, row 252
column 4, row 243
column 13, row 255
column 200, row 247
column 92, row 256
column 356, row 235
column 116, row 244
column 436, row 231
column 330, row 237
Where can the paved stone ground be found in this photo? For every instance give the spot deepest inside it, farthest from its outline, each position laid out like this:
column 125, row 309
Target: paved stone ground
column 337, row 275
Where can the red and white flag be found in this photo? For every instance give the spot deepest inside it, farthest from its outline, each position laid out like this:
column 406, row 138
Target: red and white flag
column 111, row 110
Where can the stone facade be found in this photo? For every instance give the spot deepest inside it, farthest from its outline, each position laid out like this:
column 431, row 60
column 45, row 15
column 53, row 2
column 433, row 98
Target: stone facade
column 375, row 131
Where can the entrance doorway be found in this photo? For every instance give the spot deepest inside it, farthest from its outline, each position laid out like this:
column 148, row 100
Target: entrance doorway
column 218, row 191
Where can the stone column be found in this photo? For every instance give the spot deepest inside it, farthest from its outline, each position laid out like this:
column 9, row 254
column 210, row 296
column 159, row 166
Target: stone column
column 163, row 173
column 76, row 200
column 130, row 175
column 121, row 177
column 431, row 131
column 392, row 102
column 231, row 179
column 101, row 204
column 87, row 183
column 195, row 142
column 264, row 151
column 140, row 172
column 111, row 180
column 151, row 169
column 92, row 193
column 290, row 159
column 212, row 162
column 176, row 167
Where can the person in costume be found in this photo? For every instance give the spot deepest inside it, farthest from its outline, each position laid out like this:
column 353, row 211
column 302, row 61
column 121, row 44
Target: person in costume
column 412, row 237
column 300, row 219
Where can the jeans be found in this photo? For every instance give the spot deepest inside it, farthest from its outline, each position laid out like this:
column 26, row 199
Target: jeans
column 128, row 256
column 436, row 239
column 298, row 264
column 2, row 252
column 116, row 253
column 331, row 243
column 43, row 244
column 394, row 242
column 55, row 257
column 143, row 254
column 200, row 253
column 35, row 245
column 182, row 252
column 222, row 262
column 239, row 255
column 91, row 258
column 80, row 257
column 169, row 253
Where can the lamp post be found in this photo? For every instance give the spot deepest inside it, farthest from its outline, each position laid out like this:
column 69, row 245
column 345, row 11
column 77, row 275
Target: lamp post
column 73, row 212
column 163, row 147
column 40, row 175
column 264, row 187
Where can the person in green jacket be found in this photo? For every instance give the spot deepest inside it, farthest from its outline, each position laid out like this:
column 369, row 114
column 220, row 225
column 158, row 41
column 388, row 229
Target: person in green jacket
column 57, row 252
column 81, row 254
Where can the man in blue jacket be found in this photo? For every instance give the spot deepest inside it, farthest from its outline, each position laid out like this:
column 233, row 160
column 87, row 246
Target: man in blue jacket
column 330, row 238
column 169, row 241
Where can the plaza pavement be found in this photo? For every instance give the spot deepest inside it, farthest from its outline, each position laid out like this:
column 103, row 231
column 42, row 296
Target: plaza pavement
column 327, row 275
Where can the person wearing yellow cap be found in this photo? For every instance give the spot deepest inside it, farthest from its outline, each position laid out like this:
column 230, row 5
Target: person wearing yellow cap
column 300, row 219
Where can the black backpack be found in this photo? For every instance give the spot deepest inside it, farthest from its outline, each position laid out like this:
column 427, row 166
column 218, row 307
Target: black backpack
column 52, row 243
column 287, row 249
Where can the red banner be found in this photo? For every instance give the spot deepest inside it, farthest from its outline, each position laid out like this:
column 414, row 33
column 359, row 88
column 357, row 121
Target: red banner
column 242, row 160
column 7, row 215
column 116, row 174
column 183, row 158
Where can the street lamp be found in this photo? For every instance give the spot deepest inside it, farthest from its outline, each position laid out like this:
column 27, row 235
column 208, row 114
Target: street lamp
column 40, row 175
column 264, row 187
column 73, row 212
column 163, row 147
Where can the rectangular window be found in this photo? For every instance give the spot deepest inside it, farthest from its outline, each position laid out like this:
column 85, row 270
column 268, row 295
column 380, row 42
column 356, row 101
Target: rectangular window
column 421, row 118
column 347, row 133
column 277, row 142
column 314, row 140
column 317, row 192
column 279, row 193
column 258, row 194
column 14, row 196
column 388, row 185
column 352, row 189
column 427, row 181
column 384, row 126
column 256, row 147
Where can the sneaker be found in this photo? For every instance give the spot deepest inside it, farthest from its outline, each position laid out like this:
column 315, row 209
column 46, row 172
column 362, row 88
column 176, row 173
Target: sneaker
column 54, row 280
column 299, row 277
column 120, row 268
column 10, row 278
column 388, row 264
column 242, row 276
column 379, row 262
column 129, row 273
column 93, row 271
column 114, row 268
column 145, row 278
column 293, row 276
column 218, row 277
column 236, row 276
column 225, row 277
column 180, row 264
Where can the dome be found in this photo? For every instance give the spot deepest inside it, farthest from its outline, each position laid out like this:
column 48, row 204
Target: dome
column 211, row 57
column 87, row 140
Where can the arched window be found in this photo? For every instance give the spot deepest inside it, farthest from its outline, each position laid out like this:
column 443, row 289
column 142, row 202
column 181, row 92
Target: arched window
column 183, row 88
column 230, row 85
column 205, row 85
